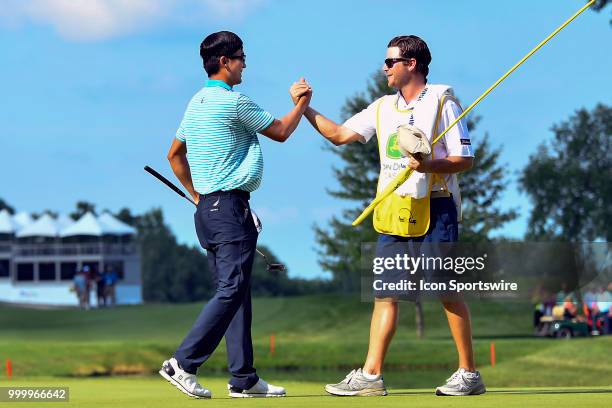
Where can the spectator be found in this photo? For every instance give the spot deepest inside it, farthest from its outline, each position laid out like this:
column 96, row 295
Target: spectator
column 590, row 297
column 544, row 302
column 80, row 287
column 100, row 289
column 564, row 293
column 87, row 274
column 110, row 280
column 570, row 310
column 602, row 310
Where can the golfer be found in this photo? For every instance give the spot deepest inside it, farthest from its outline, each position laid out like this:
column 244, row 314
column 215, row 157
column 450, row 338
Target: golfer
column 217, row 158
column 428, row 107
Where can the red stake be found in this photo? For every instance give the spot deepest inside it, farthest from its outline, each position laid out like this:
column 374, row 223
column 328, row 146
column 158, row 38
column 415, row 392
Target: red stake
column 9, row 369
column 272, row 343
column 492, row 354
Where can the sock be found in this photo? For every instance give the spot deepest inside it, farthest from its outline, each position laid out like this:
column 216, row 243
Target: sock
column 370, row 377
column 471, row 373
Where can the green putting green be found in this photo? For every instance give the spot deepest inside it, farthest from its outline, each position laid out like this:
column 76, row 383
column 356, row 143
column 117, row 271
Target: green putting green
column 153, row 392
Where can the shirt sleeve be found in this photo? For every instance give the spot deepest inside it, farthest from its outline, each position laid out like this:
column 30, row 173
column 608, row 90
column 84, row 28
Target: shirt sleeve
column 254, row 118
column 180, row 133
column 364, row 122
column 457, row 139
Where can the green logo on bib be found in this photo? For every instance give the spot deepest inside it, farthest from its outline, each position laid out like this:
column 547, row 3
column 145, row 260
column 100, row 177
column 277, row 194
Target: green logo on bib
column 393, row 151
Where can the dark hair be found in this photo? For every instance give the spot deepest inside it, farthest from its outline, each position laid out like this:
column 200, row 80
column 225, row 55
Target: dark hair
column 412, row 46
column 216, row 45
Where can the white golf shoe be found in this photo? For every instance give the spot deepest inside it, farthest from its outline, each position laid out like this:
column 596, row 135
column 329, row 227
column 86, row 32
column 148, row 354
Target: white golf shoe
column 185, row 382
column 261, row 389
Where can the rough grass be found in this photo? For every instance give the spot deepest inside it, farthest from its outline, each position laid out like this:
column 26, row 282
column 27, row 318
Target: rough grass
column 318, row 338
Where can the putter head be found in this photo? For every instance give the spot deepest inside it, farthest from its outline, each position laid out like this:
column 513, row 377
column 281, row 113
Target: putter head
column 276, row 267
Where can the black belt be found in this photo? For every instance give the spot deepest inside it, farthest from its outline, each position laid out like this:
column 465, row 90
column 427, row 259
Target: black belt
column 239, row 193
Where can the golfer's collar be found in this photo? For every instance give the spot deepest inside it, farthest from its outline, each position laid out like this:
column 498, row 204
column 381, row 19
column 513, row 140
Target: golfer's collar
column 217, row 82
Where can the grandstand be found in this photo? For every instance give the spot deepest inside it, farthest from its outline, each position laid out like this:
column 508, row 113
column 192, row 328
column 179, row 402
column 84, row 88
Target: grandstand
column 39, row 257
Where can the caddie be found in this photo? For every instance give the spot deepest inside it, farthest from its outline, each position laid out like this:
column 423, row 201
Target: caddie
column 425, row 209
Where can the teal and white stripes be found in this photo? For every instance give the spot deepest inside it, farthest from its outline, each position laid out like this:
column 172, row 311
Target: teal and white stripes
column 219, row 127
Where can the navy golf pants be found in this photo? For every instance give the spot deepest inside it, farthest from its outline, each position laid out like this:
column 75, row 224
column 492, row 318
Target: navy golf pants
column 226, row 230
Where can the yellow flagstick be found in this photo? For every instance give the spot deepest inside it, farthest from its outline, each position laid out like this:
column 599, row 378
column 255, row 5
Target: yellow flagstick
column 404, row 174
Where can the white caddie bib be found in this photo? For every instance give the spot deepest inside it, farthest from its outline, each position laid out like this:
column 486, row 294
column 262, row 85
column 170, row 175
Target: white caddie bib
column 422, row 114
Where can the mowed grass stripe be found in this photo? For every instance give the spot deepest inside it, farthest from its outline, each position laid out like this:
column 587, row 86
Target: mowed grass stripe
column 156, row 393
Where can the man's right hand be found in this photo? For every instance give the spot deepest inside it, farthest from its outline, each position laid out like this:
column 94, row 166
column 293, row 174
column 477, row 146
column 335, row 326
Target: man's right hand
column 280, row 130
column 300, row 89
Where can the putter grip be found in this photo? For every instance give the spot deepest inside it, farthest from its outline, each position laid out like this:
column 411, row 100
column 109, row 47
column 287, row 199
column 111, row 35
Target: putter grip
column 165, row 181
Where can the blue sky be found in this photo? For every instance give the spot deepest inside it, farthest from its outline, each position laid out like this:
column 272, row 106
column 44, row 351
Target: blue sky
column 92, row 91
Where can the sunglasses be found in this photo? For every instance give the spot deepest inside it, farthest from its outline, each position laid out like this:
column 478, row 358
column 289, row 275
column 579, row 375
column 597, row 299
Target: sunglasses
column 241, row 57
column 389, row 62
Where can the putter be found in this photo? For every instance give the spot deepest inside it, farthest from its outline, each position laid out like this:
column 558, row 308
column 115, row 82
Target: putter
column 270, row 267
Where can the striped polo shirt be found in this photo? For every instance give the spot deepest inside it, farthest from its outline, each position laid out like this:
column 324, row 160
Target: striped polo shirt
column 220, row 128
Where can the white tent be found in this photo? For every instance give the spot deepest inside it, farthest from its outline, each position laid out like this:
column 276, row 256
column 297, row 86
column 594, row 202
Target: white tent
column 45, row 226
column 64, row 226
column 23, row 219
column 88, row 224
column 119, row 227
column 7, row 224
column 64, row 221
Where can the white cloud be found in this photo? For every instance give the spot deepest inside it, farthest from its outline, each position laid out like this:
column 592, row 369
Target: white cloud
column 90, row 20
column 232, row 8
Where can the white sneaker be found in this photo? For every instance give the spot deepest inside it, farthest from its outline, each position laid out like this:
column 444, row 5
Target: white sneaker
column 461, row 383
column 261, row 389
column 355, row 384
column 187, row 383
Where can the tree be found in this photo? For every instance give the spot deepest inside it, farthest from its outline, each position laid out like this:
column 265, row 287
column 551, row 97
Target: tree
column 170, row 272
column 5, row 206
column 481, row 190
column 278, row 283
column 173, row 272
column 340, row 243
column 125, row 215
column 82, row 208
column 568, row 180
column 599, row 5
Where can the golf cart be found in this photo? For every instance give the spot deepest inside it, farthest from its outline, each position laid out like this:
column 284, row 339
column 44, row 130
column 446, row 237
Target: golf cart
column 561, row 328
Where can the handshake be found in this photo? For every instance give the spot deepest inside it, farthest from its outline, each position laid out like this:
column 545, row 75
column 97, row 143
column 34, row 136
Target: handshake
column 300, row 89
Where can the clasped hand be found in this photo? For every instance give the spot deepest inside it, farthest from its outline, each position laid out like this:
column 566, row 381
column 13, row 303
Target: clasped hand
column 300, row 89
